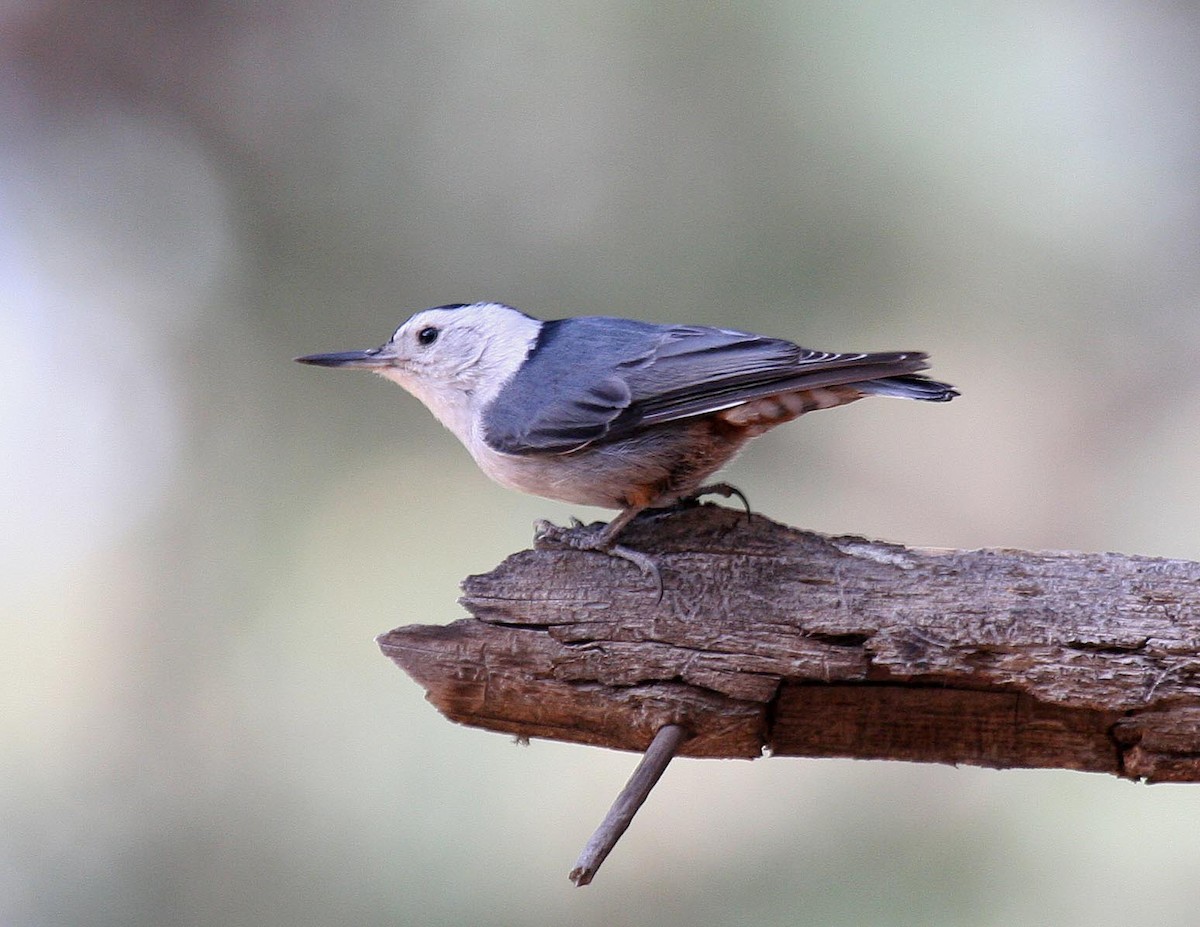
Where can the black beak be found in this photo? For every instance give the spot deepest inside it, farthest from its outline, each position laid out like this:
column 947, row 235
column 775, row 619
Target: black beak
column 372, row 358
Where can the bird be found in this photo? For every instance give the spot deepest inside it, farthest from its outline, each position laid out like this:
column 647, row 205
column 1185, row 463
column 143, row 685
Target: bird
column 614, row 412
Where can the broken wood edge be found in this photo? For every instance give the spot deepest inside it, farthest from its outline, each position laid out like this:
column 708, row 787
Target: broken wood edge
column 995, row 658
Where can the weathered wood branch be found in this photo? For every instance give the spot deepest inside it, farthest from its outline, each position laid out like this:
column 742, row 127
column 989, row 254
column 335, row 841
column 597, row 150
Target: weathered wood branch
column 772, row 639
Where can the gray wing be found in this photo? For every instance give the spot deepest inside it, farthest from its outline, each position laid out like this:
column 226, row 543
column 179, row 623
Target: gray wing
column 597, row 379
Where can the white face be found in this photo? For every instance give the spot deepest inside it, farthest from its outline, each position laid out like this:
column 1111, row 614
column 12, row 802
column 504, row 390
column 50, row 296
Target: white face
column 458, row 346
column 455, row 360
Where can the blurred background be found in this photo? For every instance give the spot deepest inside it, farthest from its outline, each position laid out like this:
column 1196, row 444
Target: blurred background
column 201, row 538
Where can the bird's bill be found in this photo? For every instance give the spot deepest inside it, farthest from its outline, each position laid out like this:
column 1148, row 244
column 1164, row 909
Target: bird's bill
column 368, row 359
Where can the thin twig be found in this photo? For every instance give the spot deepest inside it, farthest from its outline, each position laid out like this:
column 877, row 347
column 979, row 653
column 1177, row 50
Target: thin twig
column 660, row 752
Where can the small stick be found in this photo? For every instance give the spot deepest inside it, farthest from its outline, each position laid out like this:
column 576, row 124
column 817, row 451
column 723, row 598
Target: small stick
column 654, row 762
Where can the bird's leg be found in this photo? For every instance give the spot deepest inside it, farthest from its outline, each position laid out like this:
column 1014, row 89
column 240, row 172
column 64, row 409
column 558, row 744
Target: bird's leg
column 603, row 541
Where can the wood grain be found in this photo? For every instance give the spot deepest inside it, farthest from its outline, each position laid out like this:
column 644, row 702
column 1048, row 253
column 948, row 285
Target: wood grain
column 770, row 639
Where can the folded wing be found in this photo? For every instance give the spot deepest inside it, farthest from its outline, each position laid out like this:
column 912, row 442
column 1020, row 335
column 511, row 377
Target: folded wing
column 595, row 380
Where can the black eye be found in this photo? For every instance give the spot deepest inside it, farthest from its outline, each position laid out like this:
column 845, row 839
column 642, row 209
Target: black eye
column 427, row 335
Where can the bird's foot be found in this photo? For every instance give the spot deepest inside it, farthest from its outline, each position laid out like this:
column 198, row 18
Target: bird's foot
column 602, row 541
column 722, row 489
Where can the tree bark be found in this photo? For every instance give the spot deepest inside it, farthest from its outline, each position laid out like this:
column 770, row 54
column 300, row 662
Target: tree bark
column 770, row 639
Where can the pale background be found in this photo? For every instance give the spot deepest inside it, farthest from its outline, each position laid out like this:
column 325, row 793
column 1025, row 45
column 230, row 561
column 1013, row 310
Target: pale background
column 201, row 538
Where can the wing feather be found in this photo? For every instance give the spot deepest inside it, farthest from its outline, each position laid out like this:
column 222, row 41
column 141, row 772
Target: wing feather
column 591, row 380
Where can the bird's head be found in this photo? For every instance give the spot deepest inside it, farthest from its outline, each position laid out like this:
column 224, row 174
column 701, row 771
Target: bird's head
column 454, row 358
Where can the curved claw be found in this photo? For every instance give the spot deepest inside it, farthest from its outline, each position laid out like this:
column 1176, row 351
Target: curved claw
column 725, row 490
column 546, row 532
column 642, row 561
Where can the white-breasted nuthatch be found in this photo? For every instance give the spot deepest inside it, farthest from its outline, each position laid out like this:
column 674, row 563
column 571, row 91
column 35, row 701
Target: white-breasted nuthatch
column 614, row 412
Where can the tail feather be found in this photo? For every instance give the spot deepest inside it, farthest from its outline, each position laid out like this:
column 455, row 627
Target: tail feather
column 909, row 386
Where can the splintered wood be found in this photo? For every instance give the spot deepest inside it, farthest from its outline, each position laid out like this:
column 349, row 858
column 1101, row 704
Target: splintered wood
column 769, row 639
